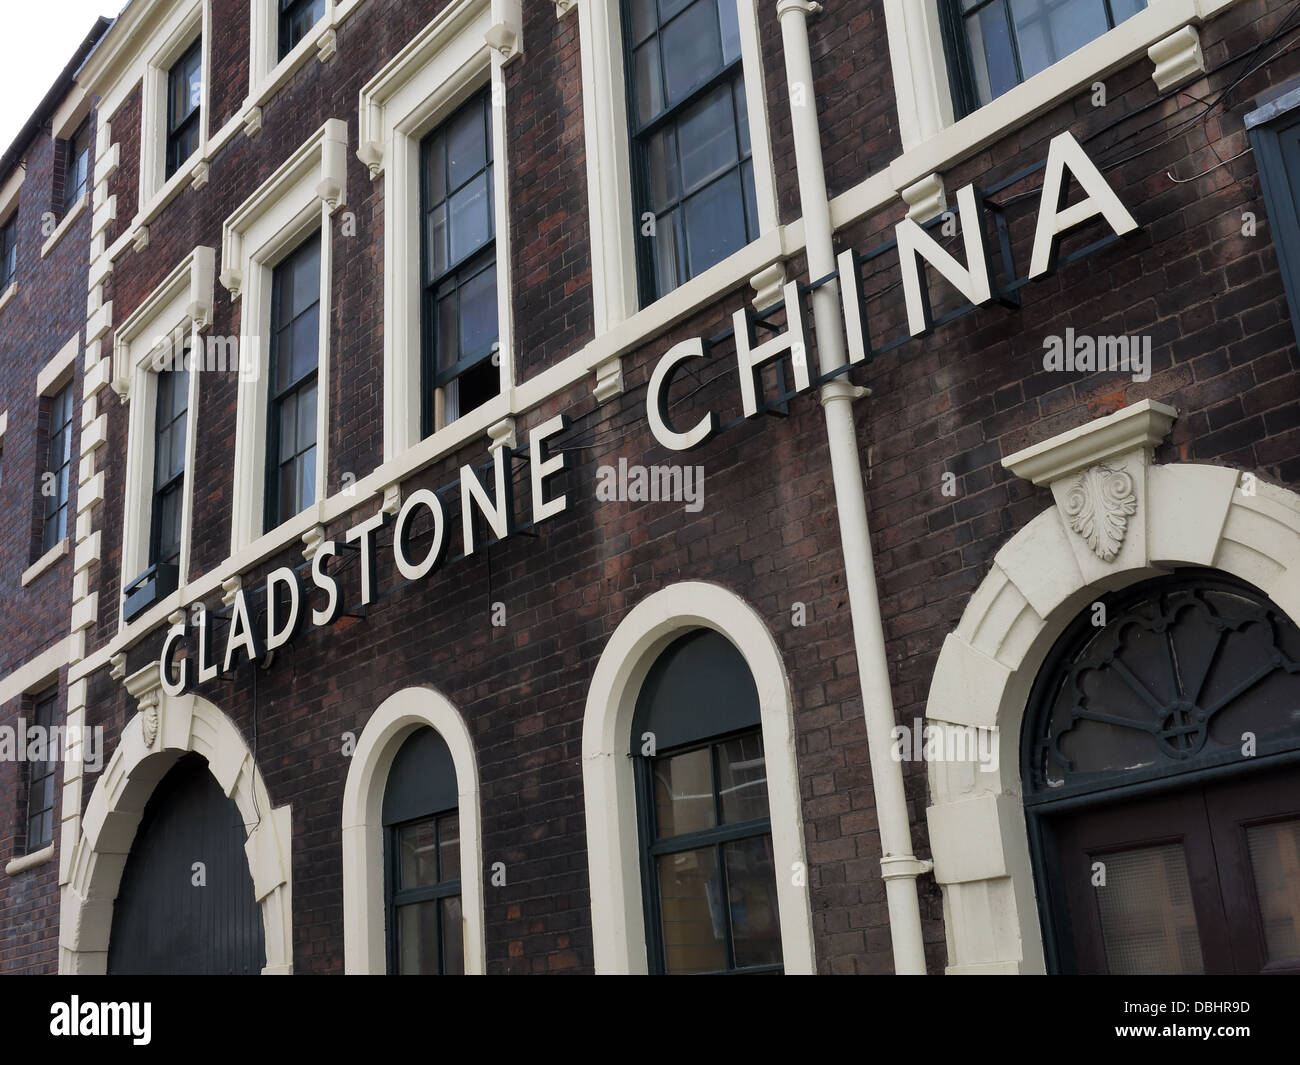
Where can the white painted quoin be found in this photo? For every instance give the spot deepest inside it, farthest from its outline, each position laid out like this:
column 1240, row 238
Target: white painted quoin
column 1185, row 515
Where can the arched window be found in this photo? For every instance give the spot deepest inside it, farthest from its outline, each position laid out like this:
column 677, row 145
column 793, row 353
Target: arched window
column 422, row 859
column 702, row 802
column 1159, row 766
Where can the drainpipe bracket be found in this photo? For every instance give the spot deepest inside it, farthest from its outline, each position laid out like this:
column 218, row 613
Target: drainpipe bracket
column 841, row 389
column 808, row 7
column 904, row 865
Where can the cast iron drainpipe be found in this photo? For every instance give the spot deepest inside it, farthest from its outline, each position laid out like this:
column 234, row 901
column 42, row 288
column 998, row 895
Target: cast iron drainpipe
column 899, row 867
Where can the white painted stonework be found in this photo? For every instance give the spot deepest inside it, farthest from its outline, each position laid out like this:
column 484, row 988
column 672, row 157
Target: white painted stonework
column 1190, row 515
column 152, row 742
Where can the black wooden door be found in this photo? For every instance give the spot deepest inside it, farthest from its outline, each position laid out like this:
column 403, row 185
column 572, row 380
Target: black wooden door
column 1205, row 880
column 186, row 903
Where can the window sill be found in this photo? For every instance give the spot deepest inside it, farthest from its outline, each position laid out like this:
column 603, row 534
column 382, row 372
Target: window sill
column 45, row 562
column 31, row 861
column 74, row 212
column 1016, row 107
column 9, row 294
column 167, row 191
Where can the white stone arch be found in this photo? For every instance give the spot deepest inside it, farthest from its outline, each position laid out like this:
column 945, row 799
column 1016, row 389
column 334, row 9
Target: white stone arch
column 617, row 921
column 165, row 728
column 402, row 713
column 1190, row 515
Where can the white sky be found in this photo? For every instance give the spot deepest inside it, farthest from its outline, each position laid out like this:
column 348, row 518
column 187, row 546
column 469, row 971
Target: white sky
column 37, row 38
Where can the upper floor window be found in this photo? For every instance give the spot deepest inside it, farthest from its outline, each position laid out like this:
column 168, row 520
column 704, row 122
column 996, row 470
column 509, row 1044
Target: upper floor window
column 40, row 778
column 184, row 106
column 706, row 832
column 76, row 165
column 169, row 467
column 296, row 18
column 996, row 44
column 8, row 252
column 422, row 845
column 58, row 468
column 458, row 253
column 692, row 167
column 291, row 421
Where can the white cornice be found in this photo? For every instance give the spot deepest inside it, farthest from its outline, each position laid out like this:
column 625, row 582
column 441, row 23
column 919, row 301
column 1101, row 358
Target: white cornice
column 1144, row 424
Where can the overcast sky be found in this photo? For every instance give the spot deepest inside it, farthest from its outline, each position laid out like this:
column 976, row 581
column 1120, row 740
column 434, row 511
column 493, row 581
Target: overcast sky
column 37, row 38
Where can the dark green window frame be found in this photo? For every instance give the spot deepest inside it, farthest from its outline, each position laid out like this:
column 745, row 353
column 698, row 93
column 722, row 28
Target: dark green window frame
column 1274, row 129
column 171, row 417
column 184, row 106
column 41, row 778
column 958, row 16
column 76, row 165
column 716, row 837
column 659, row 132
column 8, row 252
column 473, row 369
column 54, row 526
column 445, row 888
column 288, row 462
column 297, row 17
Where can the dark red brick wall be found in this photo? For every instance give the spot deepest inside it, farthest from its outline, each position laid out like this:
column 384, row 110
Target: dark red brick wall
column 959, row 401
column 228, row 58
column 48, row 310
column 124, row 125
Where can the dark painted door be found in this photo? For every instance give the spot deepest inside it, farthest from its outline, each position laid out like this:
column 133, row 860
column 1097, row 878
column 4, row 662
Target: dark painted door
column 1206, row 880
column 186, row 903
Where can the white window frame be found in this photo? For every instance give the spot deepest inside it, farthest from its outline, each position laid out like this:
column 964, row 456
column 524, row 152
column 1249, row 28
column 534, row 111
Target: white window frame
column 462, row 50
column 608, row 778
column 932, row 138
column 613, row 224
column 189, row 22
column 181, row 304
column 298, row 199
column 364, row 905
column 266, row 71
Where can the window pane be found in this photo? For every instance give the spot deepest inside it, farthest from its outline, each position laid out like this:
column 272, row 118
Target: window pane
column 453, row 937
column 730, row 30
column 751, row 894
column 1275, row 861
column 478, row 313
column 418, row 864
column 436, row 235
column 1048, row 30
column 742, row 779
column 649, row 92
column 306, row 278
column 691, row 909
column 475, row 387
column 692, row 49
column 305, row 337
column 448, row 332
column 287, row 500
column 306, row 417
column 668, row 252
column 435, row 165
column 471, row 220
column 288, row 427
column 642, row 19
column 742, row 114
column 715, row 223
column 991, row 55
column 417, row 939
column 684, row 793
column 1123, row 9
column 449, row 846
column 669, row 8
column 466, row 144
column 707, row 134
column 1148, row 923
column 665, row 184
column 306, row 480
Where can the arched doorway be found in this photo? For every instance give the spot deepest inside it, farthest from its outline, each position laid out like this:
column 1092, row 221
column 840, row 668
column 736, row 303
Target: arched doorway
column 1159, row 760
column 186, row 903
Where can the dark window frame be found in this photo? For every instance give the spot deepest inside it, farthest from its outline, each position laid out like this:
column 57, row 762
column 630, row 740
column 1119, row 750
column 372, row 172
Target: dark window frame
column 277, row 398
column 180, row 128
column 957, row 50
column 8, row 252
column 59, row 436
column 395, row 898
column 1274, row 130
column 716, row 837
column 291, row 30
column 457, row 274
column 641, row 134
column 44, row 712
column 174, row 482
column 76, row 166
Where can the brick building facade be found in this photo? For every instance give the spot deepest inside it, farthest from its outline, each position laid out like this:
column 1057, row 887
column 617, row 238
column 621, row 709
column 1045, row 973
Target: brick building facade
column 1005, row 497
